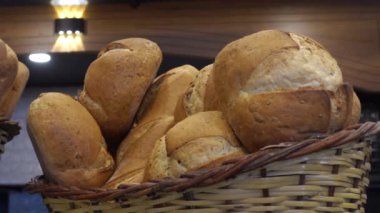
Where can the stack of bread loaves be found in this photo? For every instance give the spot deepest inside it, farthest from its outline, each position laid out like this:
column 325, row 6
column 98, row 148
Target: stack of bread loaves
column 127, row 127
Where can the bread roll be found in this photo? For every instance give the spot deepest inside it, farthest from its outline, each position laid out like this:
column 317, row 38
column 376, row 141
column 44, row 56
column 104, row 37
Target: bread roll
column 200, row 96
column 8, row 69
column 276, row 86
column 10, row 100
column 153, row 119
column 68, row 142
column 115, row 84
column 163, row 95
column 137, row 148
column 199, row 141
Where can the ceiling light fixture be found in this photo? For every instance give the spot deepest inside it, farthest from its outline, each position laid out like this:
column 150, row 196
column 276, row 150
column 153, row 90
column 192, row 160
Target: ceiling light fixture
column 39, row 57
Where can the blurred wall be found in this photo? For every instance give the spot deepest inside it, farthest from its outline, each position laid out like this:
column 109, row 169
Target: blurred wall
column 349, row 29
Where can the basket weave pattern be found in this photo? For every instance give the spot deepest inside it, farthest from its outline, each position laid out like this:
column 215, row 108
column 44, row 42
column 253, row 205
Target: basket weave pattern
column 329, row 174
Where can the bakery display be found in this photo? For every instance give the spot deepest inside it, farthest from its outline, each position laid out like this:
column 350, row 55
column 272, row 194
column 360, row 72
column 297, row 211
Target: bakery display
column 116, row 82
column 68, row 142
column 262, row 90
column 275, row 86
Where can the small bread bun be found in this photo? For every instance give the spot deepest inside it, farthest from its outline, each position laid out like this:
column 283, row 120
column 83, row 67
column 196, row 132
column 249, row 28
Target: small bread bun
column 200, row 141
column 68, row 142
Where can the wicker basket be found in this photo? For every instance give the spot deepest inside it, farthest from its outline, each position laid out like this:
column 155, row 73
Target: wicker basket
column 326, row 174
column 8, row 129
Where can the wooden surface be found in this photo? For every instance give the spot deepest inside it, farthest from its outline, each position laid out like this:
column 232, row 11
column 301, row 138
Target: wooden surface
column 350, row 30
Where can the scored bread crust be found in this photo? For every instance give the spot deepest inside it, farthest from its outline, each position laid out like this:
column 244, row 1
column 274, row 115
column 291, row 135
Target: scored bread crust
column 275, row 86
column 162, row 96
column 8, row 69
column 116, row 82
column 206, row 135
column 68, row 142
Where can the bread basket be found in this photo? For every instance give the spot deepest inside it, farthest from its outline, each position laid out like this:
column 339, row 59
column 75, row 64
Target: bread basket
column 8, row 129
column 323, row 174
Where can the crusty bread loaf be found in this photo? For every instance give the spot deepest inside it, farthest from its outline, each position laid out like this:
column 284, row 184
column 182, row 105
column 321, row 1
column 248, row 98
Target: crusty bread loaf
column 199, row 141
column 276, row 86
column 115, row 84
column 153, row 119
column 163, row 95
column 137, row 148
column 68, row 142
column 8, row 69
column 10, row 100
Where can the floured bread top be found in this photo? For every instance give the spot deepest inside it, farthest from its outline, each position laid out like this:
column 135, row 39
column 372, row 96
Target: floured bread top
column 307, row 65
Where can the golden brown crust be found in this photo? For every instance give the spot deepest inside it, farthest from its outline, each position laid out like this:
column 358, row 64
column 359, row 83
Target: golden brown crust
column 280, row 117
column 180, row 112
column 8, row 68
column 211, row 101
column 202, row 124
column 355, row 113
column 162, row 96
column 235, row 62
column 206, row 135
column 116, row 82
column 135, row 150
column 261, row 79
column 200, row 96
column 68, row 142
column 8, row 105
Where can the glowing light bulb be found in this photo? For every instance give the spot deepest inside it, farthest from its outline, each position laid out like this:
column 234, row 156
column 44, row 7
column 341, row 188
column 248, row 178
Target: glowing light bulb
column 39, row 57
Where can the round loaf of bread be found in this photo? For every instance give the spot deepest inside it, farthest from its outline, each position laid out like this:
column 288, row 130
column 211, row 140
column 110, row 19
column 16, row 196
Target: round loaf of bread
column 8, row 69
column 116, row 82
column 8, row 105
column 275, row 86
column 200, row 141
column 68, row 142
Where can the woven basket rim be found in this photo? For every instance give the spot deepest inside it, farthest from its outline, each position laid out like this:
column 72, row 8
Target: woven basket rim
column 206, row 177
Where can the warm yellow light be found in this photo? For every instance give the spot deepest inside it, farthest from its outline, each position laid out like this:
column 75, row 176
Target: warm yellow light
column 75, row 11
column 68, row 43
column 69, row 8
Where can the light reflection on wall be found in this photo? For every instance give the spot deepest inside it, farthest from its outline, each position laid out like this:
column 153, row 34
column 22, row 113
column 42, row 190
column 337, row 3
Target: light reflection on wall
column 68, row 43
column 70, row 11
